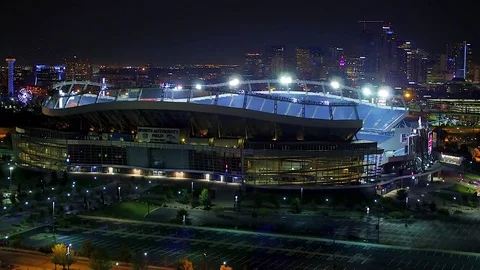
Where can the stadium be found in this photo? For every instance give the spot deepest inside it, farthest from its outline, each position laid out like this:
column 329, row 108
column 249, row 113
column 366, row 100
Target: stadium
column 265, row 133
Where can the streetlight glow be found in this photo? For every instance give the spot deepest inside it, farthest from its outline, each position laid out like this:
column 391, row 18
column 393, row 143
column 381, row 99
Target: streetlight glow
column 335, row 85
column 366, row 91
column 11, row 168
column 286, row 80
column 234, row 82
column 383, row 93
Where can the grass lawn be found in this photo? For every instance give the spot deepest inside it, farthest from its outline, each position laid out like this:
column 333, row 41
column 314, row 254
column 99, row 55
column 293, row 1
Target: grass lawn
column 471, row 176
column 124, row 210
column 462, row 189
column 87, row 181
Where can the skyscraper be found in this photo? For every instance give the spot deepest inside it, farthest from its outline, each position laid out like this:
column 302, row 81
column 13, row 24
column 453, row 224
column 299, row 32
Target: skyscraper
column 11, row 78
column 253, row 67
column 459, row 60
column 309, row 62
column 388, row 55
column 78, row 69
column 370, row 46
column 274, row 60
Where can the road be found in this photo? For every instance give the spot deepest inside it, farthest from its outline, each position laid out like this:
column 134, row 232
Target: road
column 30, row 260
column 165, row 244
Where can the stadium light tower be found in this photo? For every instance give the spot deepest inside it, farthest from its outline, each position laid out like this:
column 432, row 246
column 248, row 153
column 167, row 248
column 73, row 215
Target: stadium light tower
column 366, row 91
column 234, row 82
column 383, row 92
column 335, row 85
column 286, row 80
column 198, row 86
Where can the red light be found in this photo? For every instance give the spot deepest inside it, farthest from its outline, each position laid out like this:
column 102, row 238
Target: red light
column 226, row 166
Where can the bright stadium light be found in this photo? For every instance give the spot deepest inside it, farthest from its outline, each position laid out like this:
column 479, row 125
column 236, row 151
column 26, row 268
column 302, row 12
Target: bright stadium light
column 383, row 92
column 366, row 91
column 198, row 86
column 286, row 80
column 335, row 85
column 234, row 82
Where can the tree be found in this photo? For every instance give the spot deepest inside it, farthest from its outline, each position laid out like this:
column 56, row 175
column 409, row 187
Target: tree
column 184, row 264
column 186, row 196
column 100, row 260
column 139, row 262
column 60, row 256
column 87, row 248
column 296, row 205
column 225, row 267
column 64, row 181
column 54, row 178
column 125, row 254
column 204, row 198
column 13, row 198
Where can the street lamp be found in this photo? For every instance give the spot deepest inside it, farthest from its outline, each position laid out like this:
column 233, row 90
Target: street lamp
column 10, row 169
column 68, row 255
column 335, row 85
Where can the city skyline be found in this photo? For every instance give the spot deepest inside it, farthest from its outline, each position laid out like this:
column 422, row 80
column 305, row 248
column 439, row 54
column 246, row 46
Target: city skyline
column 193, row 33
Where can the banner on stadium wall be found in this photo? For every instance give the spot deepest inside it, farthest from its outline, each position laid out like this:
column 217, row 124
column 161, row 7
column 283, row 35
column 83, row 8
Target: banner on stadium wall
column 403, row 138
column 430, row 143
column 158, row 135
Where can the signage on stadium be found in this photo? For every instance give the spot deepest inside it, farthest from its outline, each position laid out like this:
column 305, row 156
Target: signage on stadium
column 158, row 135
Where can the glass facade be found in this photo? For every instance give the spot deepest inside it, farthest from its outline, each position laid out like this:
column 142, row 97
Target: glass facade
column 269, row 163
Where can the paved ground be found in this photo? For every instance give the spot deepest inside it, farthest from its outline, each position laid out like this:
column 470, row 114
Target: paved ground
column 166, row 244
column 461, row 235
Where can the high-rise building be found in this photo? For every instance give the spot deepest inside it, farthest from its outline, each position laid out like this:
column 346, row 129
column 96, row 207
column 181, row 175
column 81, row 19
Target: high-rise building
column 309, row 62
column 11, row 78
column 274, row 60
column 370, row 46
column 78, row 69
column 459, row 60
column 355, row 69
column 436, row 69
column 48, row 75
column 417, row 68
column 304, row 63
column 254, row 67
column 388, row 63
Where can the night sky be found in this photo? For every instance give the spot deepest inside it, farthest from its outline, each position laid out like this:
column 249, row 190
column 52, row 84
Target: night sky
column 168, row 32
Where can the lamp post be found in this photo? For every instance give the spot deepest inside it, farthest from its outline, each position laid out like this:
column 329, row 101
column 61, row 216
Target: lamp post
column 53, row 223
column 68, row 256
column 119, row 194
column 367, row 218
column 10, row 177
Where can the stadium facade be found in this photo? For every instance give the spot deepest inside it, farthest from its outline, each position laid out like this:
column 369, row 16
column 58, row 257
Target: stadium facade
column 256, row 132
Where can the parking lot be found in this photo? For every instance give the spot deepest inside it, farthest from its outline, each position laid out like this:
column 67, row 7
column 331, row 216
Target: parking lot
column 164, row 245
